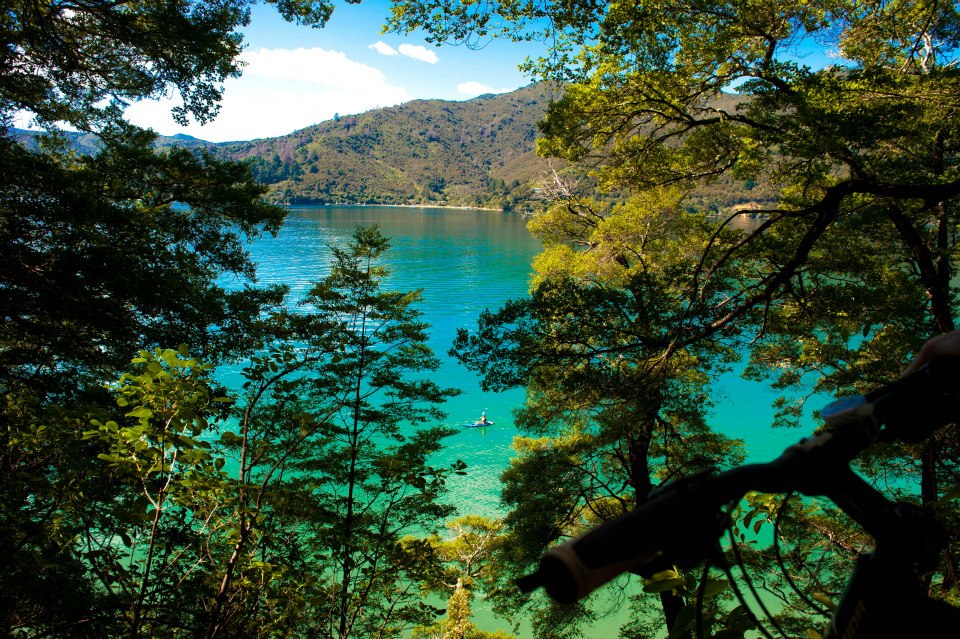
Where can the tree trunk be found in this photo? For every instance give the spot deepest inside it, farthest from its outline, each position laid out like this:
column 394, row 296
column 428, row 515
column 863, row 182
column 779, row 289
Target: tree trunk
column 638, row 448
column 935, row 274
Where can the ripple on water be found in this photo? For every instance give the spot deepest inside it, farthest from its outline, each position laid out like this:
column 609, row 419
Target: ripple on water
column 467, row 261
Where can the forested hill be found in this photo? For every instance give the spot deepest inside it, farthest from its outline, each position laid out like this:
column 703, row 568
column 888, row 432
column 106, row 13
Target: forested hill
column 479, row 152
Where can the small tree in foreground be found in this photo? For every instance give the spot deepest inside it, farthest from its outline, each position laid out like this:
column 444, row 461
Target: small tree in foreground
column 466, row 557
column 334, row 441
column 307, row 511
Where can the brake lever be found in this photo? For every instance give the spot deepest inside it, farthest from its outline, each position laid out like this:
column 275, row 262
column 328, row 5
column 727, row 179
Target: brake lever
column 909, row 409
column 670, row 528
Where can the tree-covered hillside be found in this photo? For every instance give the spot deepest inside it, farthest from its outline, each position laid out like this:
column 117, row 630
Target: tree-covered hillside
column 480, row 152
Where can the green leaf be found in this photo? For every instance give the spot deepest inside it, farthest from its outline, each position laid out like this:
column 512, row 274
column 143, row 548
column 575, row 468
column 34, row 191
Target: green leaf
column 685, row 620
column 824, row 599
column 714, row 586
column 663, row 585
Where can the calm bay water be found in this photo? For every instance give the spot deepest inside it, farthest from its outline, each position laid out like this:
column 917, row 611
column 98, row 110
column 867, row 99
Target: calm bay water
column 467, row 261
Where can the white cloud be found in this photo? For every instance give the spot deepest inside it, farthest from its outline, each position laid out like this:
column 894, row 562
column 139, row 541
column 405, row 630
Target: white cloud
column 282, row 90
column 310, row 66
column 473, row 88
column 414, row 51
column 382, row 48
column 418, row 52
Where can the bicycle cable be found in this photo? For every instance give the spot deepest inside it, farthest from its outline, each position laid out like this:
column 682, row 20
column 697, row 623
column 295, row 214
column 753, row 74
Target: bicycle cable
column 782, row 564
column 753, row 591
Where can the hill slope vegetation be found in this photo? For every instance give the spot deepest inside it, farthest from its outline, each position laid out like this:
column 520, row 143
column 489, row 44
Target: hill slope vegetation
column 479, row 152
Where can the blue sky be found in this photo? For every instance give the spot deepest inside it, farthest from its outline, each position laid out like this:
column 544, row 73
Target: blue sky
column 297, row 76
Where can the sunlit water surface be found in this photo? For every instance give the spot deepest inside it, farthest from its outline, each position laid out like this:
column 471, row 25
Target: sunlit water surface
column 466, row 261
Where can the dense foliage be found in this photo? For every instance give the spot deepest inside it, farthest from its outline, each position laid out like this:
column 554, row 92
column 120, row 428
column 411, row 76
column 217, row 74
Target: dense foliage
column 607, row 416
column 76, row 62
column 158, row 506
column 298, row 508
column 103, row 256
column 851, row 264
column 141, row 499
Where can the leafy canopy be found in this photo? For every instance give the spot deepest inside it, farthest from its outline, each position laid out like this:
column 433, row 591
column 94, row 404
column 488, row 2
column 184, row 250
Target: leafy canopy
column 851, row 262
column 80, row 61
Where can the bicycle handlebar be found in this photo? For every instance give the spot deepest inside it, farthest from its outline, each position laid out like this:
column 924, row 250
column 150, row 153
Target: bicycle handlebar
column 681, row 522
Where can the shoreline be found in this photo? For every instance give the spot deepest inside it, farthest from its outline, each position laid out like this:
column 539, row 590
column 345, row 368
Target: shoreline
column 401, row 206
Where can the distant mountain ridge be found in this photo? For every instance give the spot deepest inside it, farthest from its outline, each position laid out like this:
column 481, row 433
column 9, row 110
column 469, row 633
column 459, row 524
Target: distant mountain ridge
column 88, row 143
column 479, row 152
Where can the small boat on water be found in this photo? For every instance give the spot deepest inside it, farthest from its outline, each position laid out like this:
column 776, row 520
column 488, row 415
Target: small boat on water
column 483, row 421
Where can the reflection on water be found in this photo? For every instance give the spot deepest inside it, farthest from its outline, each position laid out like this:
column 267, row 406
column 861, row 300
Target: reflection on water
column 746, row 222
column 464, row 261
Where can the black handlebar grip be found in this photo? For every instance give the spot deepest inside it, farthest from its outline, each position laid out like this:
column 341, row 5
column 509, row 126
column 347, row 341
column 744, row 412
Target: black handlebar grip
column 915, row 406
column 909, row 409
column 574, row 569
column 673, row 526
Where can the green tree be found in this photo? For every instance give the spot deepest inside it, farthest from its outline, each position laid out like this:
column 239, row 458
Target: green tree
column 466, row 554
column 301, row 509
column 613, row 407
column 101, row 257
column 873, row 135
column 147, row 552
column 851, row 266
column 79, row 62
column 380, row 484
column 335, row 432
column 104, row 254
column 110, row 253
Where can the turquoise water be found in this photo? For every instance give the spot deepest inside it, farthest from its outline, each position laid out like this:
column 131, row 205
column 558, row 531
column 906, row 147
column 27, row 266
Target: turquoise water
column 466, row 261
